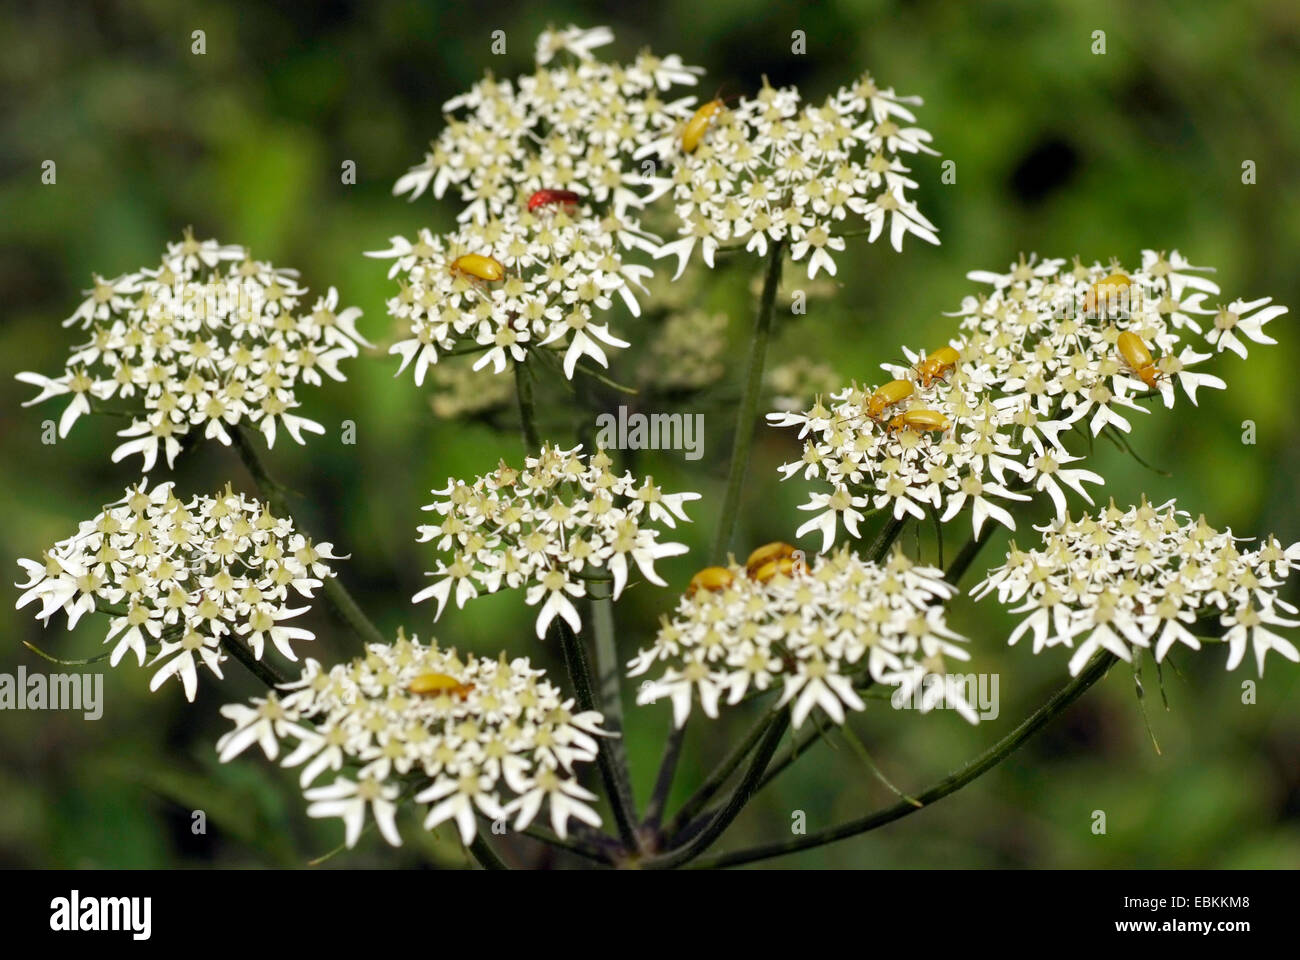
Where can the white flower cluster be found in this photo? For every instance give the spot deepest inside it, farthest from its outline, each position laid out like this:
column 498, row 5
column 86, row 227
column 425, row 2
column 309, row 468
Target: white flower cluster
column 772, row 168
column 182, row 579
column 470, row 737
column 1142, row 579
column 980, row 419
column 562, row 520
column 825, row 632
column 572, row 128
column 207, row 340
column 960, row 450
column 1070, row 341
column 524, row 280
column 544, row 167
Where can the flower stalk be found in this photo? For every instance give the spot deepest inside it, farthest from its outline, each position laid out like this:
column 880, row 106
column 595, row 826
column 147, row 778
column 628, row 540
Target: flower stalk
column 747, row 409
column 990, row 758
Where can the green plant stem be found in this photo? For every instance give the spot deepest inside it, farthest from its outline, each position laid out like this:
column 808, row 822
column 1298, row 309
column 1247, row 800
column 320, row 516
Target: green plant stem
column 797, row 748
column 482, row 851
column 735, row 803
column 575, row 846
column 527, row 412
column 607, row 672
column 575, row 662
column 264, row 671
column 608, row 689
column 77, row 662
column 720, row 775
column 654, row 810
column 1062, row 698
column 800, row 743
column 885, row 539
column 969, row 551
column 273, row 492
column 748, row 407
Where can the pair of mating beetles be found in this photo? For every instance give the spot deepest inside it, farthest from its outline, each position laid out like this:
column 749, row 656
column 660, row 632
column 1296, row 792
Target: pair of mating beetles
column 761, row 566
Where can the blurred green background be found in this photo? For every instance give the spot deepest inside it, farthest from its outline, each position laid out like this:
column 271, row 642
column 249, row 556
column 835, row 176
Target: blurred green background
column 1058, row 151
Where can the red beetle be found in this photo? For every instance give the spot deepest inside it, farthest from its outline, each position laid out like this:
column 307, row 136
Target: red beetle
column 545, row 198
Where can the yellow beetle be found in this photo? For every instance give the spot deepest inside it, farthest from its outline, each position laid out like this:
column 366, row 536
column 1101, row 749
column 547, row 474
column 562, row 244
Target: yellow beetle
column 479, row 266
column 919, row 421
column 435, row 684
column 712, row 579
column 1138, row 356
column 889, row 395
column 698, row 125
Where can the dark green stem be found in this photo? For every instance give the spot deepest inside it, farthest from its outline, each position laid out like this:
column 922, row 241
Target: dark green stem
column 748, row 407
column 527, row 412
column 575, row 662
column 986, row 761
column 654, row 810
column 575, row 846
column 261, row 669
column 487, row 858
column 608, row 677
column 885, row 539
column 735, row 803
column 969, row 551
column 800, row 743
column 797, row 748
column 720, row 775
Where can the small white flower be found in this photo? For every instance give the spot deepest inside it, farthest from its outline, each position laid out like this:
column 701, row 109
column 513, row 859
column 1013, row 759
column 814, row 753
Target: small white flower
column 348, row 800
column 572, row 40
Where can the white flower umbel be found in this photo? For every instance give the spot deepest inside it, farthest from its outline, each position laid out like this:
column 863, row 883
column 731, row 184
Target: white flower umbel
column 909, row 472
column 1047, row 349
column 563, row 520
column 208, row 340
column 1048, row 335
column 469, row 737
column 773, row 168
column 822, row 634
column 1146, row 578
column 181, row 579
column 558, row 271
column 573, row 127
